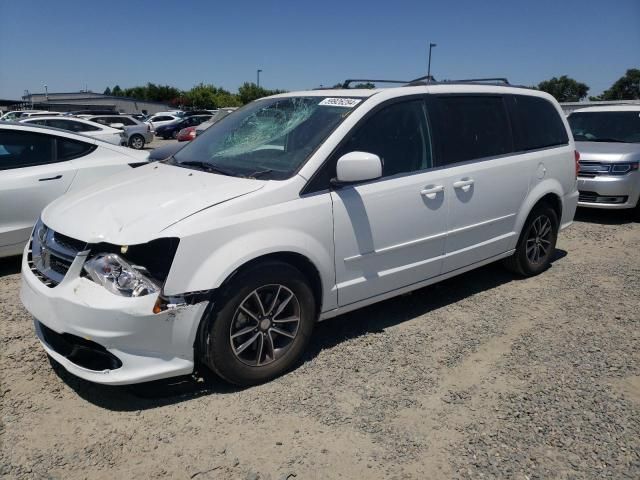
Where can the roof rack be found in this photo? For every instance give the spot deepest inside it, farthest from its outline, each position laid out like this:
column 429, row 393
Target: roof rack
column 428, row 79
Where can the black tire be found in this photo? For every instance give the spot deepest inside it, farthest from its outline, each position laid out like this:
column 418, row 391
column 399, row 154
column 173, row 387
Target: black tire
column 174, row 134
column 136, row 142
column 530, row 241
column 165, row 138
column 218, row 348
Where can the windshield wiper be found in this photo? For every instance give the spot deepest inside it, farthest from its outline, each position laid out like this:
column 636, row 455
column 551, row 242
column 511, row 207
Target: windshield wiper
column 208, row 167
column 260, row 172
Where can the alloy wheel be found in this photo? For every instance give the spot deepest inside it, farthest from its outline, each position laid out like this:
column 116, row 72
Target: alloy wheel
column 538, row 243
column 265, row 325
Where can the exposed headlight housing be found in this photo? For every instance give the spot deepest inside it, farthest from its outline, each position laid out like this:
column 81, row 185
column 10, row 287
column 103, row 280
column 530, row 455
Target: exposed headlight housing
column 120, row 277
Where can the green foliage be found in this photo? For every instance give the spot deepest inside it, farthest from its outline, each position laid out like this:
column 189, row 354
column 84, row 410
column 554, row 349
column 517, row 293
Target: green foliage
column 364, row 85
column 117, row 91
column 249, row 92
column 564, row 89
column 107, row 91
column 208, row 96
column 626, row 87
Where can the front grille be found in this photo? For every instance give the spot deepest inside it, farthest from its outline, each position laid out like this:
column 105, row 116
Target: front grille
column 591, row 169
column 51, row 254
column 81, row 352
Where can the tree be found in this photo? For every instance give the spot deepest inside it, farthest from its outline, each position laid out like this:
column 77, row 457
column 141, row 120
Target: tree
column 249, row 92
column 564, row 89
column 209, row 96
column 626, row 87
column 117, row 91
column 107, row 91
column 364, row 85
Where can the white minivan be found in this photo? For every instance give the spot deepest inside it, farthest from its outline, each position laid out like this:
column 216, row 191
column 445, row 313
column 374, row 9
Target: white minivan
column 295, row 208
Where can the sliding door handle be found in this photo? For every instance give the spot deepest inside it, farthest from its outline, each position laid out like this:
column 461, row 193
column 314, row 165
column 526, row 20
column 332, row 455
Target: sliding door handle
column 464, row 185
column 431, row 192
column 57, row 177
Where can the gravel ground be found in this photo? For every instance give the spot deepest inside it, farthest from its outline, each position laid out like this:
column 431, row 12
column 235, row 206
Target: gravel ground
column 482, row 376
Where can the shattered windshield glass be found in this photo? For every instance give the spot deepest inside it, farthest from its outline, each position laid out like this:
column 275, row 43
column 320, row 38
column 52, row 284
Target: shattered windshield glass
column 269, row 138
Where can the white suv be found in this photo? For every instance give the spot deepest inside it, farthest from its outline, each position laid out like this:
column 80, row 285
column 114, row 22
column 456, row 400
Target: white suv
column 296, row 208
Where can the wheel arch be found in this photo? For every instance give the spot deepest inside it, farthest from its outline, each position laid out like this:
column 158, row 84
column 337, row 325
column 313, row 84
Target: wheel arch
column 550, row 192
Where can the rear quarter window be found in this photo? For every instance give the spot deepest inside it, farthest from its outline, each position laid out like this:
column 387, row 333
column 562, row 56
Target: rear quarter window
column 536, row 123
column 68, row 149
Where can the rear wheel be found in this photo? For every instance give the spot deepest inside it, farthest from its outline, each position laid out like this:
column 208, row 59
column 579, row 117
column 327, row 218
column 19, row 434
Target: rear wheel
column 174, row 135
column 262, row 325
column 137, row 142
column 537, row 242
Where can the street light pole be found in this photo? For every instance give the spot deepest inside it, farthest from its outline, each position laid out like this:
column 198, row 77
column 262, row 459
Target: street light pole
column 431, row 45
column 46, row 93
column 258, row 72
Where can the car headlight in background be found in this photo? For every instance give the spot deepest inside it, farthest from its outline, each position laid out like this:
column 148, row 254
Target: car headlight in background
column 120, row 277
column 623, row 168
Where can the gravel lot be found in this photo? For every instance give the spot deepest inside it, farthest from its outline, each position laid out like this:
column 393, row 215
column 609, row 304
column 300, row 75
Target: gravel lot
column 482, row 376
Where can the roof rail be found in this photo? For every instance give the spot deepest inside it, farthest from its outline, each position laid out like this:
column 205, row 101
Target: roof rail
column 346, row 83
column 481, row 80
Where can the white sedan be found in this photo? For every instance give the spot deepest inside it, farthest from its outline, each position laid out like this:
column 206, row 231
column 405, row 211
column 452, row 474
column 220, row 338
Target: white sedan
column 79, row 125
column 37, row 165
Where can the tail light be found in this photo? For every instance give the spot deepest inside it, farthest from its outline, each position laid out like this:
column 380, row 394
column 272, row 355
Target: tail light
column 576, row 155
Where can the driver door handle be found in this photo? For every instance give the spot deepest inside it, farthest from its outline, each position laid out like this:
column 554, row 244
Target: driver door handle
column 431, row 192
column 464, row 185
column 57, row 177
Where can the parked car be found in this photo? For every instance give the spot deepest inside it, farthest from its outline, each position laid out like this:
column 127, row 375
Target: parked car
column 163, row 119
column 219, row 115
column 38, row 165
column 161, row 153
column 608, row 139
column 137, row 133
column 140, row 116
column 171, row 130
column 79, row 125
column 39, row 114
column 91, row 112
column 296, row 208
column 14, row 115
column 187, row 134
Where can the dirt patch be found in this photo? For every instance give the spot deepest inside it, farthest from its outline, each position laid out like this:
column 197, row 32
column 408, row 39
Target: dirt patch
column 482, row 375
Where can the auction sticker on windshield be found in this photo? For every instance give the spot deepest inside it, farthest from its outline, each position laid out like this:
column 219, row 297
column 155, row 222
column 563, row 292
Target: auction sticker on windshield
column 341, row 102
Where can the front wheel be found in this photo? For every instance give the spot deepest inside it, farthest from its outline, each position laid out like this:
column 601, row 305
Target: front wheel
column 261, row 326
column 537, row 242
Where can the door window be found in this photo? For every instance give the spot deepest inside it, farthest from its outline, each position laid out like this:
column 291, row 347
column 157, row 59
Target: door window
column 470, row 127
column 20, row 149
column 398, row 134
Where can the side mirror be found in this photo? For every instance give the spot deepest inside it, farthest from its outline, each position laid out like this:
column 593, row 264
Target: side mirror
column 358, row 167
column 119, row 126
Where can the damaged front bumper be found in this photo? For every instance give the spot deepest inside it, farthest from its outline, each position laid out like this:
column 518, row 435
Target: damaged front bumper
column 104, row 338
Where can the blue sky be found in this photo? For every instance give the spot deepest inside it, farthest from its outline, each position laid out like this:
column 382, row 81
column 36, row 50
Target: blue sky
column 68, row 44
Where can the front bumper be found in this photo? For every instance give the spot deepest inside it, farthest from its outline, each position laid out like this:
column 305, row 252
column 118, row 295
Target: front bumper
column 609, row 191
column 149, row 346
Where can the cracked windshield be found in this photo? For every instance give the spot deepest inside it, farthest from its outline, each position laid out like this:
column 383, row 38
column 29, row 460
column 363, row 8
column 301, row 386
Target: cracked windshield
column 268, row 139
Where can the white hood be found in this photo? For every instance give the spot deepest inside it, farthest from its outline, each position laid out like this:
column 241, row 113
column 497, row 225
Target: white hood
column 137, row 205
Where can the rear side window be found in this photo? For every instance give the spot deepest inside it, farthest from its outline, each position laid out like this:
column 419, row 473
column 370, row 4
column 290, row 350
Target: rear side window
column 161, row 119
column 72, row 126
column 536, row 123
column 20, row 149
column 68, row 149
column 470, row 127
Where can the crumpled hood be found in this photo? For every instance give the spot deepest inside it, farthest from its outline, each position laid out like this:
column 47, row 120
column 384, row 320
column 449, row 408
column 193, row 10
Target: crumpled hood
column 608, row 151
column 135, row 206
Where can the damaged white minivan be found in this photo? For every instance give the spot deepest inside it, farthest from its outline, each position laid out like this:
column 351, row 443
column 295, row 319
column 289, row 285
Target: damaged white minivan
column 293, row 209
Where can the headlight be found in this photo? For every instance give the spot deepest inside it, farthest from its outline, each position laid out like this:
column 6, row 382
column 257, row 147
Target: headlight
column 623, row 168
column 118, row 276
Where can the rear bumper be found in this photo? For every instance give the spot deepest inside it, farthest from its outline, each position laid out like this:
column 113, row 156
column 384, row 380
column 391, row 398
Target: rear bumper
column 104, row 338
column 609, row 191
column 569, row 205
